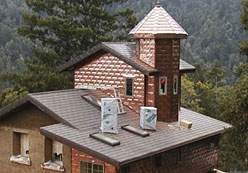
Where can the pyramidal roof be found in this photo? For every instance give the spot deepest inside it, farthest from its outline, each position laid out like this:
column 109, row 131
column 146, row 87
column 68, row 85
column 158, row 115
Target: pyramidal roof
column 158, row 21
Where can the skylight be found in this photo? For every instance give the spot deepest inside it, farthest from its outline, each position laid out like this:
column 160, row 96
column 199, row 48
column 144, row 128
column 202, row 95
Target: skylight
column 135, row 131
column 92, row 99
column 105, row 139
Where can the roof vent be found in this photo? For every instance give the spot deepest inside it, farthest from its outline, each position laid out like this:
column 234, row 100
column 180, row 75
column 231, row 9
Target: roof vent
column 148, row 118
column 105, row 139
column 185, row 123
column 135, row 131
column 109, row 115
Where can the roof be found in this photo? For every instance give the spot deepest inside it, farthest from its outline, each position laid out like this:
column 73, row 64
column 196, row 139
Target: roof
column 125, row 51
column 158, row 21
column 79, row 119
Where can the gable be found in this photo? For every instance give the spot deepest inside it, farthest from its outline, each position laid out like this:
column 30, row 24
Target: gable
column 29, row 99
column 108, row 70
column 27, row 116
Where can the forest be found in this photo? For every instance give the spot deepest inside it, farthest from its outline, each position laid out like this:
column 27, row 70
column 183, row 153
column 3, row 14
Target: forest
column 33, row 45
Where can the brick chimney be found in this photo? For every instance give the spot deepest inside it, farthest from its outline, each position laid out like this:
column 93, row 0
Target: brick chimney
column 158, row 38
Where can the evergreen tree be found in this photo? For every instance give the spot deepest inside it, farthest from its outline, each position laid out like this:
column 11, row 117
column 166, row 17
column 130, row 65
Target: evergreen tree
column 234, row 144
column 65, row 29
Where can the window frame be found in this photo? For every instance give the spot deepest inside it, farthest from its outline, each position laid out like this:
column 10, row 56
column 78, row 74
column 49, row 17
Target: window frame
column 165, row 85
column 175, row 85
column 92, row 166
column 55, row 155
column 20, row 144
column 128, row 78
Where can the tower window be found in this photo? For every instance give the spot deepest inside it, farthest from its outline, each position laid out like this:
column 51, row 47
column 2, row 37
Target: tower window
column 175, row 85
column 129, row 86
column 162, row 85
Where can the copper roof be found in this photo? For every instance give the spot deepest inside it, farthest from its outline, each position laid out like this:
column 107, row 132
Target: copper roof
column 158, row 21
column 125, row 51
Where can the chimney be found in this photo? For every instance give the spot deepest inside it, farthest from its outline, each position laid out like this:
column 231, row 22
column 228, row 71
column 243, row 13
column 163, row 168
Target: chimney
column 158, row 38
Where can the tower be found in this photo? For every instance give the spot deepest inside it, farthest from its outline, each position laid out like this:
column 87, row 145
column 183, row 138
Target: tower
column 158, row 38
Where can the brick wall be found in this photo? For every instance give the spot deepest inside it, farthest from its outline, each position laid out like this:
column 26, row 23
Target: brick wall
column 80, row 156
column 198, row 157
column 167, row 61
column 108, row 70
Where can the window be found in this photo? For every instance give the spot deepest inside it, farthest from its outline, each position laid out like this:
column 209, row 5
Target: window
column 57, row 151
column 20, row 148
column 53, row 156
column 158, row 162
column 162, row 85
column 21, row 144
column 125, row 169
column 175, row 85
column 180, row 161
column 86, row 167
column 129, row 86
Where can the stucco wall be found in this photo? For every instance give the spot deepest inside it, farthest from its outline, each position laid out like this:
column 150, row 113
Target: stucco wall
column 28, row 119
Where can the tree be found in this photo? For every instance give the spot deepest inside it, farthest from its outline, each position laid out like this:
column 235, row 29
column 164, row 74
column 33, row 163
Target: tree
column 65, row 29
column 71, row 27
column 234, row 144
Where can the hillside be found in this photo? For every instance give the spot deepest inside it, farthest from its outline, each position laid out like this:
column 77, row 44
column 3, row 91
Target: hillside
column 214, row 31
column 13, row 48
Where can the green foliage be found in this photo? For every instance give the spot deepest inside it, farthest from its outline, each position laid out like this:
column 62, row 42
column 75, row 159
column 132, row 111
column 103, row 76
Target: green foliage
column 70, row 28
column 234, row 144
column 12, row 47
column 9, row 95
column 189, row 97
column 65, row 30
column 203, row 91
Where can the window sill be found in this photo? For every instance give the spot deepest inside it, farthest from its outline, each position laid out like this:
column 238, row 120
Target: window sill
column 24, row 160
column 53, row 165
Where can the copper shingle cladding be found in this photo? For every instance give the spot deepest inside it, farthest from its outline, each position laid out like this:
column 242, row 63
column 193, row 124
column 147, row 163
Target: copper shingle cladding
column 125, row 51
column 158, row 21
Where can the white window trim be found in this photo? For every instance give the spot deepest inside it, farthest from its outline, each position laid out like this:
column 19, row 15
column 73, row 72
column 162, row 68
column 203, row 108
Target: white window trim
column 166, row 83
column 93, row 166
column 132, row 78
column 175, row 78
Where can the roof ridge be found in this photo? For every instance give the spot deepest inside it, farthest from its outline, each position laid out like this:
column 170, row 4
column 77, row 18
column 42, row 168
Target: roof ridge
column 51, row 92
column 118, row 42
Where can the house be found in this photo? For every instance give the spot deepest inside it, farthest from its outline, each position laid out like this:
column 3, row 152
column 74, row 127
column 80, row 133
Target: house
column 60, row 131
